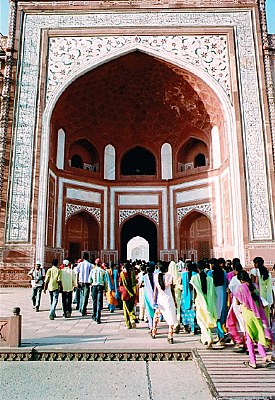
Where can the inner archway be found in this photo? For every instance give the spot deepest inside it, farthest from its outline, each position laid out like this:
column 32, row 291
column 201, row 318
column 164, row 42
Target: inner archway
column 82, row 234
column 138, row 249
column 139, row 226
column 195, row 236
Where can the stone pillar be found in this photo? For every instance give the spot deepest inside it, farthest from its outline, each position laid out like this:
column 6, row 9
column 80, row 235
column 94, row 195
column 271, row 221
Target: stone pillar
column 15, row 324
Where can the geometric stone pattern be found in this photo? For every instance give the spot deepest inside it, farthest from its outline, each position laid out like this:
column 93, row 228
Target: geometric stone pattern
column 74, row 208
column 206, row 208
column 152, row 214
column 18, row 222
column 93, row 355
column 208, row 52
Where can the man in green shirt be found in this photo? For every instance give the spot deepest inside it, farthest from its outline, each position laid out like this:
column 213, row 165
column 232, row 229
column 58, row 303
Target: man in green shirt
column 53, row 284
column 98, row 280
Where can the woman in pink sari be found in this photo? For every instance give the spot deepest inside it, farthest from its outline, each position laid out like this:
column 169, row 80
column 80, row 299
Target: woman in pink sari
column 256, row 325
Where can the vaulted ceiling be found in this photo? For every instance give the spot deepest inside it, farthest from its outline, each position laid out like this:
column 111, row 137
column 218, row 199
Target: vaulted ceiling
column 136, row 100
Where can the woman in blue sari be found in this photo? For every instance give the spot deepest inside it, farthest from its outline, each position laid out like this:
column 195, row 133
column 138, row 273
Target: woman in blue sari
column 148, row 280
column 188, row 314
column 112, row 287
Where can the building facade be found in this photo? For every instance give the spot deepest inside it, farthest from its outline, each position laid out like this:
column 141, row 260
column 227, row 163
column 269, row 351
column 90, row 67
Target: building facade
column 141, row 118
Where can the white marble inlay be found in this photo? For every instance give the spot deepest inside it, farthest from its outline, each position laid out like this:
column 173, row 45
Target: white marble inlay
column 134, row 199
column 110, row 163
column 209, row 52
column 60, row 149
column 76, row 194
column 193, row 195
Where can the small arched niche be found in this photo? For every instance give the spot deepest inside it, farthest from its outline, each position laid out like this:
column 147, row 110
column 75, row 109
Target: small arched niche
column 82, row 154
column 138, row 161
column 193, row 154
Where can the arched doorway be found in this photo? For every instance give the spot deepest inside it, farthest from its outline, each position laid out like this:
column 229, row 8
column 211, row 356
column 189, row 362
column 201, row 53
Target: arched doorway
column 81, row 234
column 195, row 236
column 139, row 226
column 138, row 249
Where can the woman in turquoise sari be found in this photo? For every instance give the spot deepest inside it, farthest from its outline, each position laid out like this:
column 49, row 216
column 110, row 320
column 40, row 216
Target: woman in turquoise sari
column 112, row 287
column 205, row 302
column 188, row 314
column 148, row 280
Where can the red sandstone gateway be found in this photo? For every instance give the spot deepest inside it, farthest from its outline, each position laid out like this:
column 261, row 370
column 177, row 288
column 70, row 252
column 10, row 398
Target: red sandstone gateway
column 136, row 130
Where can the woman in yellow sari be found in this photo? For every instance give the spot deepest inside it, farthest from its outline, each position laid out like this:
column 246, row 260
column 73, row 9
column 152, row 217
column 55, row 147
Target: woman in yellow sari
column 127, row 288
column 205, row 303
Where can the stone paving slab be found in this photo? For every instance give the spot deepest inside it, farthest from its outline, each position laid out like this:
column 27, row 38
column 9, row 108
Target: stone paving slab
column 107, row 380
column 82, row 332
column 223, row 371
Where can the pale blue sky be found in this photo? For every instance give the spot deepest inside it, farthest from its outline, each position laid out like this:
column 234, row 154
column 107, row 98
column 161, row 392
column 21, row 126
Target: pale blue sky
column 4, row 13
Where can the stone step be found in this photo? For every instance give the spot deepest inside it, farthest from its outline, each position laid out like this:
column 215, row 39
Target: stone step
column 228, row 378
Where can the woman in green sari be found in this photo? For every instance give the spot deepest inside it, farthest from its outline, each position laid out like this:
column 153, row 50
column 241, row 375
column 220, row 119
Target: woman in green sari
column 205, row 304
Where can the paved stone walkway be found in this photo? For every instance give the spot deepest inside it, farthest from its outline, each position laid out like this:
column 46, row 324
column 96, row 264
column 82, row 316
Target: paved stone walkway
column 223, row 370
column 82, row 332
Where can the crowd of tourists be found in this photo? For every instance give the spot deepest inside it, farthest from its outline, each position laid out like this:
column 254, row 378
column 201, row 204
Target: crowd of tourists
column 208, row 297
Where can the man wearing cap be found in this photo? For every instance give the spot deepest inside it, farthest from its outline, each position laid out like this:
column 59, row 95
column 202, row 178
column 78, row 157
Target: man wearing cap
column 38, row 275
column 68, row 282
column 83, row 270
column 98, row 280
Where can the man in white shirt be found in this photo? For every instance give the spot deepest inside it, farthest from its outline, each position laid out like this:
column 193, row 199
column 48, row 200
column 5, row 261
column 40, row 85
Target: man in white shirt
column 98, row 281
column 83, row 270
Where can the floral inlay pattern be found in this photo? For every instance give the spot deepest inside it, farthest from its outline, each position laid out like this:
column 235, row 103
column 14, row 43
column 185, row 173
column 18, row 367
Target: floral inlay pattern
column 67, row 54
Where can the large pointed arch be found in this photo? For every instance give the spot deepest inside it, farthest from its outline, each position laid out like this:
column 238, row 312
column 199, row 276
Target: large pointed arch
column 205, row 78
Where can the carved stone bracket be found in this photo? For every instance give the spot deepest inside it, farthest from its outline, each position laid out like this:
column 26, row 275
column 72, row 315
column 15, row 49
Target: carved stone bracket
column 205, row 208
